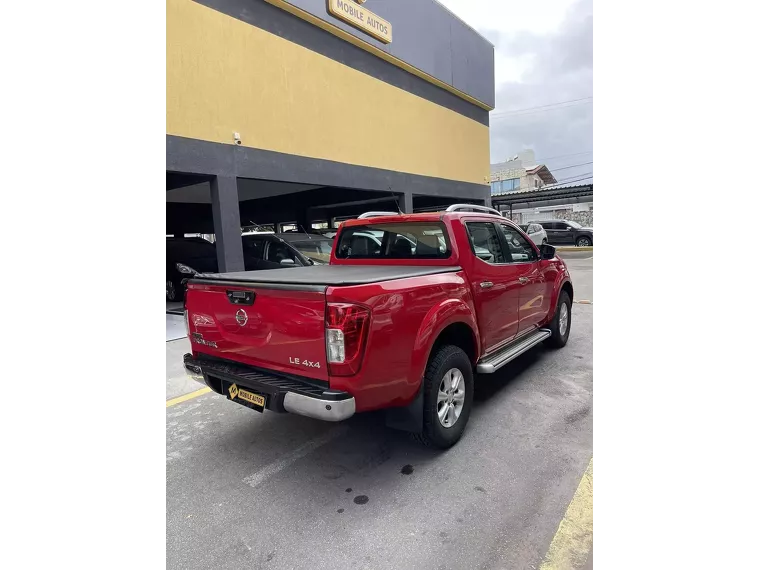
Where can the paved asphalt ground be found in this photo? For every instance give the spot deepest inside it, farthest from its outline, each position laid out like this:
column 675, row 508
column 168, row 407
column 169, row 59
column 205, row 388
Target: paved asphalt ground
column 249, row 490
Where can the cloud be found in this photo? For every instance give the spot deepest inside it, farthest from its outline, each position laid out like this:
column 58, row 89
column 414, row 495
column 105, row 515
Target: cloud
column 543, row 55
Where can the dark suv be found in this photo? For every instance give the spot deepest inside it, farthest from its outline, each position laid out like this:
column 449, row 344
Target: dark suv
column 567, row 232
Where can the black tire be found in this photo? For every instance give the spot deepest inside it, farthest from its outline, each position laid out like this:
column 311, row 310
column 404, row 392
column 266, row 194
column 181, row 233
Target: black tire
column 178, row 291
column 558, row 340
column 444, row 359
column 581, row 241
column 170, row 290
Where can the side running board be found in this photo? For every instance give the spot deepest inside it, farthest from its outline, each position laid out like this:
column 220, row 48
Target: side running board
column 493, row 362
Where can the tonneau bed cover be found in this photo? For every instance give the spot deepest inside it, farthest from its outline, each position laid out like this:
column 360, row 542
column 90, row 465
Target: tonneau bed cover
column 324, row 275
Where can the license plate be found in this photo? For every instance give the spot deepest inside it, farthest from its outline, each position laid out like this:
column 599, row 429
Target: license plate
column 256, row 401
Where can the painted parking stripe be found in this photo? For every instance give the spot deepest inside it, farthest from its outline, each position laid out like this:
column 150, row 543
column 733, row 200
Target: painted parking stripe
column 190, row 396
column 573, row 540
column 584, row 302
column 255, row 479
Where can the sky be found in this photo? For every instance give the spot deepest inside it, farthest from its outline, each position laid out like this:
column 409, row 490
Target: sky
column 543, row 58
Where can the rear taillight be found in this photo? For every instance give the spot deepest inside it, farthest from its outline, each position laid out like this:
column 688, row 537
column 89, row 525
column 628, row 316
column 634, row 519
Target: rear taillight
column 347, row 329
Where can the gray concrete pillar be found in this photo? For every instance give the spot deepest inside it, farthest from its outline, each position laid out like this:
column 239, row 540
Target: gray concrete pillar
column 225, row 206
column 406, row 203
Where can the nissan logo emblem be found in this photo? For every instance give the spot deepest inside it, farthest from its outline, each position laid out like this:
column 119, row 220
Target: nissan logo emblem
column 241, row 317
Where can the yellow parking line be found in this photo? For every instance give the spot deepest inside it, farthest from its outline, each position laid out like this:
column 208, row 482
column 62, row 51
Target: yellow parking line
column 584, row 302
column 573, row 540
column 190, row 396
column 561, row 249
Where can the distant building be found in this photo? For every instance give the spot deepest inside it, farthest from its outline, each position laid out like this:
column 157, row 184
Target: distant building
column 519, row 173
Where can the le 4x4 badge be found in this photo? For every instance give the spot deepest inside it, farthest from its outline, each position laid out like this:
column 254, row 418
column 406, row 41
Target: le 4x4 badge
column 233, row 391
column 306, row 363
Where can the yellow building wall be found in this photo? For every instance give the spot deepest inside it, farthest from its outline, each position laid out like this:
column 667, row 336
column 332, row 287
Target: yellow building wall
column 225, row 76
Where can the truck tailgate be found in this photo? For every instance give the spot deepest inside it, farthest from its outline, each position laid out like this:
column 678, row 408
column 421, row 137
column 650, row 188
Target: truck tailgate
column 262, row 325
column 281, row 326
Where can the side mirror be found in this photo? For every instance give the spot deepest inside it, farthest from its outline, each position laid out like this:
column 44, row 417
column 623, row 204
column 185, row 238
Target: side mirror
column 186, row 269
column 287, row 262
column 547, row 251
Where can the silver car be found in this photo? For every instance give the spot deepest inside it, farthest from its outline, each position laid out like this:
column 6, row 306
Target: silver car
column 535, row 232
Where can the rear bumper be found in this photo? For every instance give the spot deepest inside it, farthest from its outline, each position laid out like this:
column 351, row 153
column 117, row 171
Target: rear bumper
column 321, row 409
column 283, row 393
column 194, row 372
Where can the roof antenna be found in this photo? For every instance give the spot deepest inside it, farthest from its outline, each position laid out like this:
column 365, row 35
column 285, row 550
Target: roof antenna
column 397, row 204
column 305, row 232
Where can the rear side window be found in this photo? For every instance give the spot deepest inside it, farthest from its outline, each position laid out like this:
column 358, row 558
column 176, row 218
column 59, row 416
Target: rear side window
column 408, row 240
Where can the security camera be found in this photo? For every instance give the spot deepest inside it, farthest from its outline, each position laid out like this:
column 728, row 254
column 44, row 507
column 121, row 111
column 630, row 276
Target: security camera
column 238, row 141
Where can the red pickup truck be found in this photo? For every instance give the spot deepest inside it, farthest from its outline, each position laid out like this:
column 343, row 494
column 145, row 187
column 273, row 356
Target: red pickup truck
column 409, row 307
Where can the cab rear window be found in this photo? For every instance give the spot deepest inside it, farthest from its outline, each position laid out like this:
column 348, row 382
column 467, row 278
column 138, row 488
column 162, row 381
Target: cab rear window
column 407, row 240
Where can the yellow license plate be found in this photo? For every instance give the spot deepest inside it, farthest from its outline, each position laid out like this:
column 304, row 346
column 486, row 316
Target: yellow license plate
column 250, row 397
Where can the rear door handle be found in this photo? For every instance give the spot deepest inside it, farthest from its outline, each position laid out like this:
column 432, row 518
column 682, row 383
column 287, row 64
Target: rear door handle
column 524, row 280
column 486, row 284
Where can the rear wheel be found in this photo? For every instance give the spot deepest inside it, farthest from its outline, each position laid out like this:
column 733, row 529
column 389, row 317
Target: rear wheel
column 561, row 322
column 584, row 242
column 448, row 395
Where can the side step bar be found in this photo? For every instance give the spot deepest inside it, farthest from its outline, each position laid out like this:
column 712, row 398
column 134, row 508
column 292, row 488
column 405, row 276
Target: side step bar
column 493, row 362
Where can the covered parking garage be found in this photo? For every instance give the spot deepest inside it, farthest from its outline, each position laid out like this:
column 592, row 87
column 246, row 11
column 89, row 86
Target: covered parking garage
column 280, row 112
column 513, row 203
column 221, row 205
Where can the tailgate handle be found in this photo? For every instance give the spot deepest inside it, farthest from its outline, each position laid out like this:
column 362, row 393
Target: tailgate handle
column 241, row 297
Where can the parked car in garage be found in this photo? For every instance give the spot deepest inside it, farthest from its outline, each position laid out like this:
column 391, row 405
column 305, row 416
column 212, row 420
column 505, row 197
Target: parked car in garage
column 535, row 232
column 396, row 329
column 184, row 258
column 567, row 232
column 275, row 250
column 315, row 247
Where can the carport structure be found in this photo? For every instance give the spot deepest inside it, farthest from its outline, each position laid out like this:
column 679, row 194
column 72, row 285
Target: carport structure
column 524, row 199
column 221, row 203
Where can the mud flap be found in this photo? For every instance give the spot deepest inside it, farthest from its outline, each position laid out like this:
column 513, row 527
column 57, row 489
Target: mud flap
column 409, row 418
